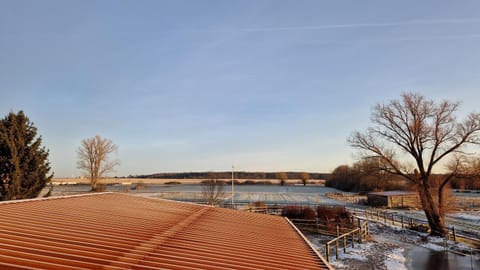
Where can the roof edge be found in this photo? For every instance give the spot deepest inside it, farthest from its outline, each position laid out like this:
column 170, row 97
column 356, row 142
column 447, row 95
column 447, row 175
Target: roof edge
column 97, row 194
column 56, row 197
column 309, row 244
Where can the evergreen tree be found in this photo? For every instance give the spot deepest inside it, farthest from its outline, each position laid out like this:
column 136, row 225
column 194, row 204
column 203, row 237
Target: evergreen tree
column 24, row 166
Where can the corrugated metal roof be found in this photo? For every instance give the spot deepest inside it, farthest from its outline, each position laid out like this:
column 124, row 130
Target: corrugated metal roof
column 119, row 231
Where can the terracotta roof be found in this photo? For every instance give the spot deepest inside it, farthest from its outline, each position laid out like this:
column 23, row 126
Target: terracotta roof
column 119, row 231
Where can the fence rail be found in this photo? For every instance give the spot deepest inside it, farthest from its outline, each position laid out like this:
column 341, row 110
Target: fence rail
column 361, row 232
column 406, row 222
column 344, row 236
column 313, row 225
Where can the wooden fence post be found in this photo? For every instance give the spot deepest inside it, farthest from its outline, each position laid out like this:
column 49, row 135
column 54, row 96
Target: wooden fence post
column 471, row 257
column 454, row 234
column 344, row 244
column 336, row 249
column 327, row 249
column 402, row 221
column 359, row 232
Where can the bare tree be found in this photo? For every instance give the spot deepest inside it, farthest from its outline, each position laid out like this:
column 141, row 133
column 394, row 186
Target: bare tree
column 283, row 177
column 304, row 177
column 212, row 191
column 93, row 158
column 412, row 136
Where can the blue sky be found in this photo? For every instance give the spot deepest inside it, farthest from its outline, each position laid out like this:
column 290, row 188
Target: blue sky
column 201, row 85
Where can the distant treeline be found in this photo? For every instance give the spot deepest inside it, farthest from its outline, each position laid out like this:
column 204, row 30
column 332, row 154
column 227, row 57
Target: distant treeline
column 228, row 175
column 358, row 178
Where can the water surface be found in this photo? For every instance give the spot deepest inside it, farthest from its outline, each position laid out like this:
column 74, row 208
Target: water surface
column 426, row 259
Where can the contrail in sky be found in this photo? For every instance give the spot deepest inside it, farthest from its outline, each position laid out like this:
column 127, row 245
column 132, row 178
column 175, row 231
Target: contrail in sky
column 355, row 25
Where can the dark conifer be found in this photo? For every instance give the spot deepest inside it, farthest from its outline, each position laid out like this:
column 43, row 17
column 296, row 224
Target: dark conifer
column 24, row 166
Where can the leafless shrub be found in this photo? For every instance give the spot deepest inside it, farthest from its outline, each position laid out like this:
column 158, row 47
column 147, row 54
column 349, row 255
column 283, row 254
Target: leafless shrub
column 333, row 216
column 298, row 212
column 140, row 186
column 259, row 204
column 173, row 183
column 212, row 191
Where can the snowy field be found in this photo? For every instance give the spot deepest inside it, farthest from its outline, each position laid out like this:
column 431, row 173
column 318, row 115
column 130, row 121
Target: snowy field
column 244, row 194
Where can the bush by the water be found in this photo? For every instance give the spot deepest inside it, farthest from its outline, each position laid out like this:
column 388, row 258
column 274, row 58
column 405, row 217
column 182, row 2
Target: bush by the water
column 333, row 213
column 253, row 182
column 298, row 212
column 333, row 216
column 259, row 204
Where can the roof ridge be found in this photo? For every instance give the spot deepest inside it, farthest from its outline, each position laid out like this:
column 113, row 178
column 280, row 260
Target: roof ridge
column 168, row 200
column 136, row 254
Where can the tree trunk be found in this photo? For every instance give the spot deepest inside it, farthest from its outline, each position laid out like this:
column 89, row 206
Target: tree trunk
column 93, row 182
column 436, row 219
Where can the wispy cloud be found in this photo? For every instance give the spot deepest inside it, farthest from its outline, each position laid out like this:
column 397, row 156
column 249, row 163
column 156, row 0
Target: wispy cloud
column 398, row 39
column 406, row 39
column 353, row 25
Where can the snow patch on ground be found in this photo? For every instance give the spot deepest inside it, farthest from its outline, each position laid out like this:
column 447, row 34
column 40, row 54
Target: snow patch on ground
column 432, row 246
column 472, row 216
column 357, row 253
column 339, row 265
column 395, row 260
